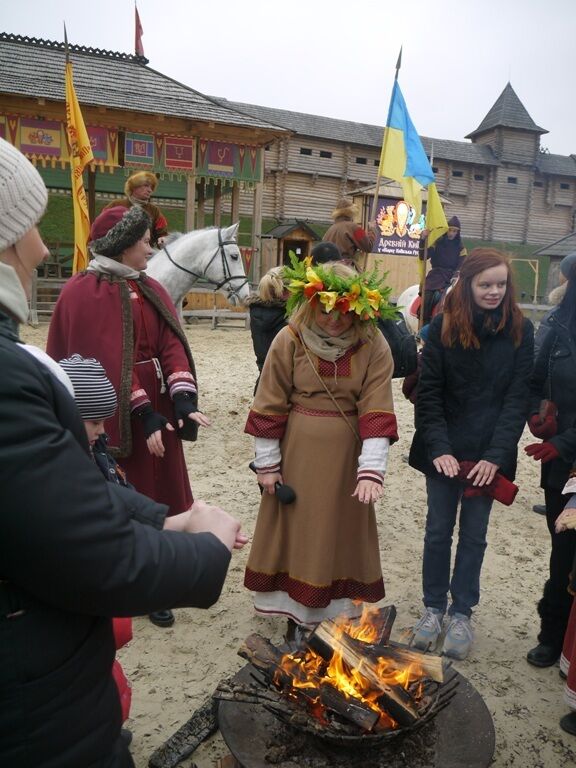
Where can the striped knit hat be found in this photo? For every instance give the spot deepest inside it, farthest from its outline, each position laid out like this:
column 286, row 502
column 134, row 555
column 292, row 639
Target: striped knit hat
column 23, row 195
column 94, row 394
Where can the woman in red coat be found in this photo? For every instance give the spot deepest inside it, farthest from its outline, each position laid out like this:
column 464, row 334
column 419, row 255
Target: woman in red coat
column 116, row 314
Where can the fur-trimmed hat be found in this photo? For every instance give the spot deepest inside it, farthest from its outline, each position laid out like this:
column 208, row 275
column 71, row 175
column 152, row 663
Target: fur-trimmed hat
column 325, row 251
column 345, row 207
column 139, row 179
column 567, row 264
column 23, row 195
column 93, row 391
column 116, row 229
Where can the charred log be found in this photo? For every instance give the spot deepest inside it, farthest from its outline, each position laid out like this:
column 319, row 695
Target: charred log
column 397, row 701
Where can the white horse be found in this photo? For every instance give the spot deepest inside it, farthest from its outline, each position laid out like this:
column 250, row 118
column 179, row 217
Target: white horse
column 406, row 305
column 409, row 304
column 211, row 255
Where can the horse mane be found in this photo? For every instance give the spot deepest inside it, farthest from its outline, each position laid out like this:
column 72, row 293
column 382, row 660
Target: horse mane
column 171, row 237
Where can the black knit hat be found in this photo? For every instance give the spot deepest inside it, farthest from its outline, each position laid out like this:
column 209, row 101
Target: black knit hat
column 325, row 251
column 454, row 222
column 93, row 391
column 118, row 228
column 567, row 264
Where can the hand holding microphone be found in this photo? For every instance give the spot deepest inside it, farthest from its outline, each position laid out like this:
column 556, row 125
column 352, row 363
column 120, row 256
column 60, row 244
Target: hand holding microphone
column 284, row 493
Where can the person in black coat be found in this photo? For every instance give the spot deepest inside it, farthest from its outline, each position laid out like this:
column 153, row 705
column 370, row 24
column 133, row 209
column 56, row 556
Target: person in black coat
column 446, row 257
column 470, row 412
column 72, row 554
column 553, row 420
column 267, row 311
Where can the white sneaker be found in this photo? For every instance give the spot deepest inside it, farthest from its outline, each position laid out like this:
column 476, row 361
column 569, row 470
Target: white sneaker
column 459, row 637
column 428, row 629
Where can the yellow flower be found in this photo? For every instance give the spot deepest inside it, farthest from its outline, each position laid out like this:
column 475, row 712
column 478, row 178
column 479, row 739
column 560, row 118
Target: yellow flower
column 311, row 276
column 328, row 299
column 374, row 298
column 354, row 297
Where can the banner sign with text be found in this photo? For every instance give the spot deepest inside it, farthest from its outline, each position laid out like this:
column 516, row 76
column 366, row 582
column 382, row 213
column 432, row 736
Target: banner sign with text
column 398, row 230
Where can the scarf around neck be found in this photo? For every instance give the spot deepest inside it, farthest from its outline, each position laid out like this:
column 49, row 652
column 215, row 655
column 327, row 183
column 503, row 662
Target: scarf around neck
column 327, row 347
column 107, row 266
column 12, row 295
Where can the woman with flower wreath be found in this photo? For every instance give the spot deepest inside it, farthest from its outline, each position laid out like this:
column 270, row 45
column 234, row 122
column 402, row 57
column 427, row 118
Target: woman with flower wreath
column 323, row 421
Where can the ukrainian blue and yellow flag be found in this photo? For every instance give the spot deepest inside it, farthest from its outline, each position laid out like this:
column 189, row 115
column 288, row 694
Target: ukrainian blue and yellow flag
column 403, row 159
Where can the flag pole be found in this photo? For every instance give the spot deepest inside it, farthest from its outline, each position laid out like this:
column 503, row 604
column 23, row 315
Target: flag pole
column 424, row 259
column 81, row 155
column 379, row 177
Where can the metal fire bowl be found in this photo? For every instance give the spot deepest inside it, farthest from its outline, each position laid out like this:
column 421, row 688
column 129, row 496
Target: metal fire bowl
column 460, row 735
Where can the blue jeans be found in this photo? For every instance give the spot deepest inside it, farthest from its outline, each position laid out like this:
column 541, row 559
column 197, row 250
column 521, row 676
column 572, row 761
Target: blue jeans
column 464, row 586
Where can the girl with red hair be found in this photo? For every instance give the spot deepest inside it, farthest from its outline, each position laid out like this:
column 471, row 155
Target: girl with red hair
column 470, row 412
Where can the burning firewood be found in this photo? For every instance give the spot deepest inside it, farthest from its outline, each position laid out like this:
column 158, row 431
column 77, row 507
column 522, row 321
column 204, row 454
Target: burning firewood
column 395, row 699
column 345, row 675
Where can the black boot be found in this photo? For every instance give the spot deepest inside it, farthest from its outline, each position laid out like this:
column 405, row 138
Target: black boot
column 543, row 655
column 554, row 610
column 568, row 723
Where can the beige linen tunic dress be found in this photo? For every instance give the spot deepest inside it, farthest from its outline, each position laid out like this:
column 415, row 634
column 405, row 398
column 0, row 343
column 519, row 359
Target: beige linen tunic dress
column 310, row 559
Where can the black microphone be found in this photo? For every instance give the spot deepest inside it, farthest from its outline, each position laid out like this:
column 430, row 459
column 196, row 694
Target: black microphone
column 284, row 493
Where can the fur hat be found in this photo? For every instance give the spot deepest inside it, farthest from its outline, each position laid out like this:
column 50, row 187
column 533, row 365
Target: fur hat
column 345, row 208
column 137, row 180
column 93, row 391
column 325, row 251
column 454, row 221
column 567, row 264
column 117, row 228
column 23, row 195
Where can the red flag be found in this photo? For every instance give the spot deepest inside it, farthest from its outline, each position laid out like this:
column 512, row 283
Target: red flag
column 138, row 47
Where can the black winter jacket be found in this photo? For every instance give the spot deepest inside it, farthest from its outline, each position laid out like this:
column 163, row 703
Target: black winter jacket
column 71, row 557
column 554, row 379
column 266, row 319
column 472, row 403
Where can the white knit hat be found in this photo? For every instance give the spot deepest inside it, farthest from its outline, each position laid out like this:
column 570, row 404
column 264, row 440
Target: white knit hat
column 23, row 195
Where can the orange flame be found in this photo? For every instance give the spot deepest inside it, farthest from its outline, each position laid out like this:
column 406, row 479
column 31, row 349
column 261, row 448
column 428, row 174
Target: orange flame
column 307, row 671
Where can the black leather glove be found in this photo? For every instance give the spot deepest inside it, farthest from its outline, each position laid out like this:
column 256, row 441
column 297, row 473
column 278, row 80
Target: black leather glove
column 151, row 420
column 185, row 403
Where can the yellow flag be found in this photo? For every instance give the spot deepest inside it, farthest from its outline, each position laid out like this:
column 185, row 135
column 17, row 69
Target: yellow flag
column 436, row 223
column 80, row 156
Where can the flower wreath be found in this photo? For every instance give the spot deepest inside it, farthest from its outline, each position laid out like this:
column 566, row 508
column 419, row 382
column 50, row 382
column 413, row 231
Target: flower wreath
column 364, row 293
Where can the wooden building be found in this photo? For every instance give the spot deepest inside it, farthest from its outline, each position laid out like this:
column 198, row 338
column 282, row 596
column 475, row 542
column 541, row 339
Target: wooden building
column 555, row 252
column 501, row 184
column 296, row 236
column 282, row 166
column 137, row 119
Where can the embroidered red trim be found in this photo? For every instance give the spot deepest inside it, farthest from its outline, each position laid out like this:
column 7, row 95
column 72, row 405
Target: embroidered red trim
column 314, row 596
column 268, row 426
column 378, row 424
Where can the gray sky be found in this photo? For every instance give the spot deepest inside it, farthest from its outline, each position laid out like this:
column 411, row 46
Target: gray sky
column 309, row 56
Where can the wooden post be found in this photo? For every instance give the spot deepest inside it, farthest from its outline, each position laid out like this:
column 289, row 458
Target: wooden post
column 218, row 204
column 235, row 205
column 257, row 231
column 92, row 194
column 201, row 204
column 190, row 202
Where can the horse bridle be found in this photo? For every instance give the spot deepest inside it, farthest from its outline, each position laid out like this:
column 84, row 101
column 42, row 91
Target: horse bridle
column 228, row 276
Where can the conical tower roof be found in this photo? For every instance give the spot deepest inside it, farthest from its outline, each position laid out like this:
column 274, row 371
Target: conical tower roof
column 507, row 112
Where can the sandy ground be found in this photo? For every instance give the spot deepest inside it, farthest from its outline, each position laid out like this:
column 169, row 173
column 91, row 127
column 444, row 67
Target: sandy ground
column 173, row 670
